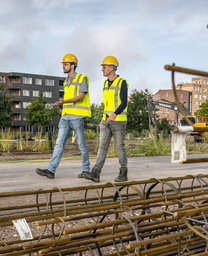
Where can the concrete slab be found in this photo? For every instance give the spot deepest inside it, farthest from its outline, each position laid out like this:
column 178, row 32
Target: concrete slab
column 21, row 175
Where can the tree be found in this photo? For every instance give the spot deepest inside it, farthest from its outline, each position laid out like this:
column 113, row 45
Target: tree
column 203, row 110
column 5, row 108
column 137, row 111
column 163, row 125
column 97, row 111
column 37, row 114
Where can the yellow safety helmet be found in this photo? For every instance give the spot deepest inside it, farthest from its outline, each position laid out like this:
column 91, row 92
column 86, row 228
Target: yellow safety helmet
column 110, row 60
column 70, row 57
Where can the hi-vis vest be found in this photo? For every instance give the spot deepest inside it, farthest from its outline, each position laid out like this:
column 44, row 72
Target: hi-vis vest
column 80, row 108
column 111, row 99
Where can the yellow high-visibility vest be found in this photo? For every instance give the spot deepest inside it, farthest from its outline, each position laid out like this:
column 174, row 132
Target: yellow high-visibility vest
column 111, row 99
column 80, row 108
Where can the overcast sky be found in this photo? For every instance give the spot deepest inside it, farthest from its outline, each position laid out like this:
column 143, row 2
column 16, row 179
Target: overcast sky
column 143, row 34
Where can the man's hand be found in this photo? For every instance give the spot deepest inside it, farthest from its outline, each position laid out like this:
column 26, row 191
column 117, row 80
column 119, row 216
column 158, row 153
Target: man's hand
column 59, row 102
column 111, row 118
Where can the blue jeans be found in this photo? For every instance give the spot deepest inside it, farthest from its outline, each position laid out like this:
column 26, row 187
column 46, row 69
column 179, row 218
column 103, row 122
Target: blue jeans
column 107, row 131
column 65, row 127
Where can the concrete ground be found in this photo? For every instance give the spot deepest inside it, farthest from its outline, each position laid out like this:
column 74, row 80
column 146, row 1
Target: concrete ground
column 15, row 176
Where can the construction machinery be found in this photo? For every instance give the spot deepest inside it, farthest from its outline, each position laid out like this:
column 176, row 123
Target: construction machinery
column 197, row 121
column 178, row 143
column 152, row 105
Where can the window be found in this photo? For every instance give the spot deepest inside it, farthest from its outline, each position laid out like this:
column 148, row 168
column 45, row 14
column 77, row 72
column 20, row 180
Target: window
column 14, row 80
column 196, row 96
column 16, row 105
column 38, row 81
column 26, row 104
column 49, row 82
column 26, row 80
column 61, row 82
column 25, row 93
column 14, row 93
column 47, row 94
column 204, row 89
column 3, row 80
column 35, row 93
column 61, row 94
column 17, row 117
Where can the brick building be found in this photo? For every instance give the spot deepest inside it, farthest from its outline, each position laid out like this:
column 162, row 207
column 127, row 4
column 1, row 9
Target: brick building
column 24, row 87
column 191, row 95
column 199, row 89
column 185, row 97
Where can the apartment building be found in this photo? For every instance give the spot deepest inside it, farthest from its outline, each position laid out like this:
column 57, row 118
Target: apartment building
column 199, row 89
column 23, row 88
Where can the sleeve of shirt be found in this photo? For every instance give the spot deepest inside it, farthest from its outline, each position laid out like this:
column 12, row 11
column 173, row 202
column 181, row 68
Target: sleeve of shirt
column 123, row 97
column 84, row 86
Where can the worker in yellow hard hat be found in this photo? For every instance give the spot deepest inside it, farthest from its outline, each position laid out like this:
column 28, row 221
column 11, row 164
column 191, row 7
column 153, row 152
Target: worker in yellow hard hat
column 75, row 108
column 114, row 120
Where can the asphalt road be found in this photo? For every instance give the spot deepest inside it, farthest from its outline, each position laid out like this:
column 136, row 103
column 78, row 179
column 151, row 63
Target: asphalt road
column 21, row 175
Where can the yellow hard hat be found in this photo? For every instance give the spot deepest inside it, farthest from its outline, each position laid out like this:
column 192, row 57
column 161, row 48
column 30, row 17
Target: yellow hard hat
column 110, row 60
column 70, row 57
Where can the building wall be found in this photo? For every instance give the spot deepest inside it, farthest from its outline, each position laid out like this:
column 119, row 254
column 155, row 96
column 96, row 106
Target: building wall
column 199, row 89
column 23, row 88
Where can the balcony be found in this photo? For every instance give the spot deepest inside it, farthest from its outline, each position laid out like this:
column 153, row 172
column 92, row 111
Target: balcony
column 15, row 93
column 14, row 86
column 14, row 81
column 17, row 117
column 16, row 108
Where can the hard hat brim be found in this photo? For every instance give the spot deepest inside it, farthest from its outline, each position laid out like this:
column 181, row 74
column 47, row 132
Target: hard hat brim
column 108, row 64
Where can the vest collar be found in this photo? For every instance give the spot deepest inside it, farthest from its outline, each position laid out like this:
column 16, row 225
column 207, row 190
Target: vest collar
column 68, row 81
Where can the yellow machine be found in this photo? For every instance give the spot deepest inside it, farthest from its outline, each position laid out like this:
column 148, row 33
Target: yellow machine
column 197, row 122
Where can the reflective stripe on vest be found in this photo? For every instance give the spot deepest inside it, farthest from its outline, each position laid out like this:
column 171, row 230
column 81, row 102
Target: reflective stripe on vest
column 80, row 108
column 113, row 99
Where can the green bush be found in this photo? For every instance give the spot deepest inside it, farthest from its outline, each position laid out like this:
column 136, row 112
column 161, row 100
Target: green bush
column 18, row 141
column 152, row 144
column 90, row 134
column 6, row 140
column 194, row 147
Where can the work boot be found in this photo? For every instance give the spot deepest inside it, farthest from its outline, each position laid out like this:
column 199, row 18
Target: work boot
column 94, row 175
column 83, row 174
column 45, row 172
column 122, row 175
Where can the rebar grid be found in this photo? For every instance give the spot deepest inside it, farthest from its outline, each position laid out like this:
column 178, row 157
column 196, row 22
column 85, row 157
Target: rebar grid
column 150, row 217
